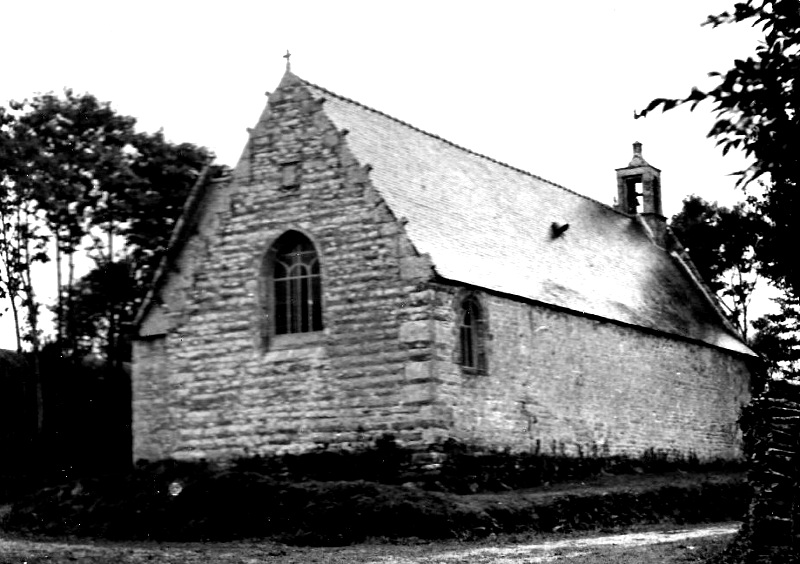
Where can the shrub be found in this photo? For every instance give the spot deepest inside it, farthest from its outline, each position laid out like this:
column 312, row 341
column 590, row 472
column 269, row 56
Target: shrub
column 218, row 505
column 336, row 497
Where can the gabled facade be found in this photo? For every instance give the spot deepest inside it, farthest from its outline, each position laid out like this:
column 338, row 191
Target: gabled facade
column 356, row 276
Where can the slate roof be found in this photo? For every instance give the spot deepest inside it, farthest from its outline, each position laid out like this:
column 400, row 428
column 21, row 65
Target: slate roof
column 487, row 224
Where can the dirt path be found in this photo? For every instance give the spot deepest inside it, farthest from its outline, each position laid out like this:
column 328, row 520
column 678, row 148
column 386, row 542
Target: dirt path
column 566, row 549
column 22, row 551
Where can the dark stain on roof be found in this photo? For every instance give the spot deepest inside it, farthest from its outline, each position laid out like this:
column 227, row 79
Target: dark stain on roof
column 488, row 224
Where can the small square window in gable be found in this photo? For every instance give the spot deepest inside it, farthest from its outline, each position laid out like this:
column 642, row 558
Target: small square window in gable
column 290, row 175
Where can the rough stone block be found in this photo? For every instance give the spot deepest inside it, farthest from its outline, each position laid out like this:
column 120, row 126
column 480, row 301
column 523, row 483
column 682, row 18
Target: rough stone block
column 418, row 371
column 416, row 268
column 416, row 331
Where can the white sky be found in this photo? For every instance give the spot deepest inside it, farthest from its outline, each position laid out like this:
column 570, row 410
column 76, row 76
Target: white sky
column 547, row 86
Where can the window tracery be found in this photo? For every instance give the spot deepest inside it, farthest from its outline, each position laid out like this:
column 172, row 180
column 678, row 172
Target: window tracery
column 296, row 285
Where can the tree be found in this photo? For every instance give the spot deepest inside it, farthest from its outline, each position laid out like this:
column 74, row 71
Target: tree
column 102, row 301
column 75, row 172
column 22, row 242
column 165, row 174
column 777, row 338
column 757, row 106
column 79, row 166
column 82, row 149
column 723, row 244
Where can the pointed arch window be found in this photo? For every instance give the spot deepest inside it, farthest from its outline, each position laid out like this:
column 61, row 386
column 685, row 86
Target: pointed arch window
column 472, row 355
column 296, row 285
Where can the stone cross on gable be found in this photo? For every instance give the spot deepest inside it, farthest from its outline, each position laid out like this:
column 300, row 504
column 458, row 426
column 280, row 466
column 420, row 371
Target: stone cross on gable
column 288, row 56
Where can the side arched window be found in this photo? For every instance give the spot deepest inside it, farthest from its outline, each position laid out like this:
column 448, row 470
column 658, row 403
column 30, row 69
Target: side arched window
column 472, row 355
column 296, row 285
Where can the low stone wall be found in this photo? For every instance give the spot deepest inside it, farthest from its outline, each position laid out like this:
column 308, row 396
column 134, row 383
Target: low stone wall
column 771, row 425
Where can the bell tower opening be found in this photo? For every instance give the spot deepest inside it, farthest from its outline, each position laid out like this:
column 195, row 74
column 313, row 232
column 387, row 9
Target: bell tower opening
column 639, row 193
column 633, row 187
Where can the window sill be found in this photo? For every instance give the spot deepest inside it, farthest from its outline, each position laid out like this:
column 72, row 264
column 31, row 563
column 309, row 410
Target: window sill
column 296, row 346
column 296, row 340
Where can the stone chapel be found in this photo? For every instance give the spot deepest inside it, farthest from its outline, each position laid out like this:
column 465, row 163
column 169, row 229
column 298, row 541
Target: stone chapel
column 356, row 276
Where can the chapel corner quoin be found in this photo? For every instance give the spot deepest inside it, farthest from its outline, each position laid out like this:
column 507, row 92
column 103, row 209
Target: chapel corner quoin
column 355, row 276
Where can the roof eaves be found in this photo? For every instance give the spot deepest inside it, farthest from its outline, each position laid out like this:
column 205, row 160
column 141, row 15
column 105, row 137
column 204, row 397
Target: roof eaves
column 180, row 233
column 589, row 315
column 691, row 270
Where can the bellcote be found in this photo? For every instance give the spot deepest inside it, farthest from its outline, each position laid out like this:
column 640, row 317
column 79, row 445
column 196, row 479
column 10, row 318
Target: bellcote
column 639, row 193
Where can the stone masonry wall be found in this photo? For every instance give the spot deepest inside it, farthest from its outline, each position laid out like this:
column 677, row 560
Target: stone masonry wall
column 216, row 384
column 209, row 379
column 154, row 428
column 560, row 381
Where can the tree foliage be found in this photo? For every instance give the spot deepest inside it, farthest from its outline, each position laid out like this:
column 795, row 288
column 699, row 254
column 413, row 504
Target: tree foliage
column 757, row 108
column 78, row 160
column 165, row 174
column 23, row 242
column 723, row 244
column 98, row 187
column 107, row 293
column 777, row 338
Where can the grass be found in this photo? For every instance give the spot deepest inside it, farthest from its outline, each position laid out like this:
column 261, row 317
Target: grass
column 191, row 503
column 517, row 549
column 699, row 551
